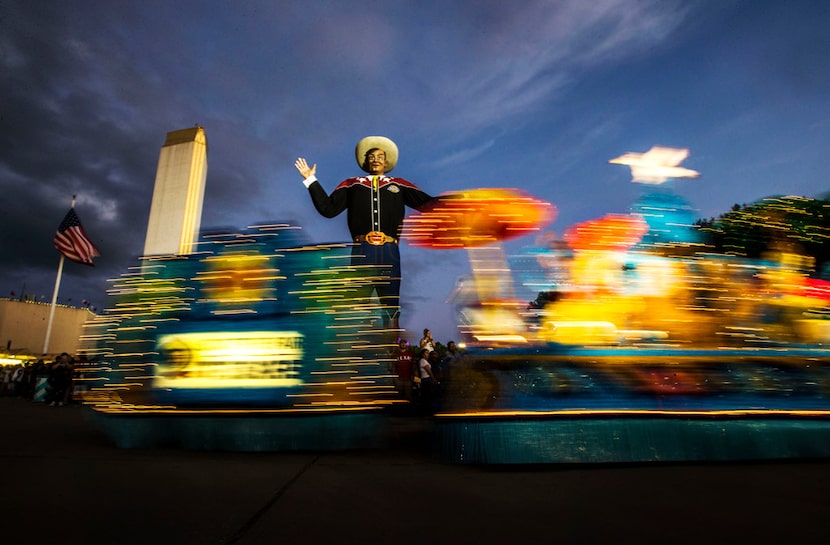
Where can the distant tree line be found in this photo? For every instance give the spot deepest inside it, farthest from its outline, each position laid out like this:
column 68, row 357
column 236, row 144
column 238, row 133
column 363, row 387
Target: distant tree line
column 788, row 224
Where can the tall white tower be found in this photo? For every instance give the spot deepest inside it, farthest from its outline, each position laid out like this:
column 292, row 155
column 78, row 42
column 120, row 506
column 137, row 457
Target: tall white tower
column 176, row 210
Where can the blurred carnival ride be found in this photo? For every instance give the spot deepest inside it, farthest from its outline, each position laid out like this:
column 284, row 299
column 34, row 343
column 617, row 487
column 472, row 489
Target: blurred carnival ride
column 642, row 343
column 203, row 350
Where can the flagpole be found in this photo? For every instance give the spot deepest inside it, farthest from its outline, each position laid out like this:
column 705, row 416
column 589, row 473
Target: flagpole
column 55, row 296
column 52, row 310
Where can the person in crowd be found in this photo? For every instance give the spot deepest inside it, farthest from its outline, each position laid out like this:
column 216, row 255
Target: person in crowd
column 6, row 377
column 427, row 340
column 435, row 365
column 59, row 380
column 70, row 380
column 404, row 369
column 428, row 381
column 18, row 376
column 448, row 361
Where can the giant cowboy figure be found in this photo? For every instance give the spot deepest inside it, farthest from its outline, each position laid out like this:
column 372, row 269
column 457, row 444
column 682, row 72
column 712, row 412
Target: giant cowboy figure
column 375, row 205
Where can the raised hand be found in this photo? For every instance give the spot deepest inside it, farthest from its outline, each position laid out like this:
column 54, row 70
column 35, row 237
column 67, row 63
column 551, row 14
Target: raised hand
column 303, row 168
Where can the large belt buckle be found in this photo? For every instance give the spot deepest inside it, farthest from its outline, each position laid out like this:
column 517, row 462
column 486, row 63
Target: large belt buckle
column 376, row 238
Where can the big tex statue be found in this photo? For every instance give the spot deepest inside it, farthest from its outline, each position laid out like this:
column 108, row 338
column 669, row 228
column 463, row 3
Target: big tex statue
column 375, row 205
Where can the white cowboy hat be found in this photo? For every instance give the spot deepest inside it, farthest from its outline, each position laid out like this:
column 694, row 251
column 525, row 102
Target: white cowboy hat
column 379, row 142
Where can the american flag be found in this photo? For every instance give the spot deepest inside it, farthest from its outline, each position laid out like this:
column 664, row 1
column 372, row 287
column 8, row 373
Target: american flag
column 72, row 242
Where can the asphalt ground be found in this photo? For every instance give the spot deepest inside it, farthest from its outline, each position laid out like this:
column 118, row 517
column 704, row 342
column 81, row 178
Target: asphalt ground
column 64, row 482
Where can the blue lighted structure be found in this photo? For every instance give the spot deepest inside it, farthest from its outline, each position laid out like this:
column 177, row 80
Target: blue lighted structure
column 257, row 341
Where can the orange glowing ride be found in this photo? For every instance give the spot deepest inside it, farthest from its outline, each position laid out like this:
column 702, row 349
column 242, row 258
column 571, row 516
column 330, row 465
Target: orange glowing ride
column 477, row 217
column 612, row 232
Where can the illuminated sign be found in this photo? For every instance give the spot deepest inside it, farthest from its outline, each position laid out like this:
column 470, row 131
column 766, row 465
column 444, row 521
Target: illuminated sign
column 229, row 359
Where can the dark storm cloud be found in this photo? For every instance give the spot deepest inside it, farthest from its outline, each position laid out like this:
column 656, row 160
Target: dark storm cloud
column 89, row 92
column 62, row 133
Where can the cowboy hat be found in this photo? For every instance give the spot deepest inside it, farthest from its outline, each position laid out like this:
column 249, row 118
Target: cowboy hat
column 381, row 143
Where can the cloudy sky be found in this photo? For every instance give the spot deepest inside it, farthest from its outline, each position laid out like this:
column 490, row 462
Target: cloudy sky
column 537, row 95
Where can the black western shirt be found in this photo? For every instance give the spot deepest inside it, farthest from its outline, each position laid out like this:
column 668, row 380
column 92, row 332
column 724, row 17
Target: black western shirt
column 372, row 206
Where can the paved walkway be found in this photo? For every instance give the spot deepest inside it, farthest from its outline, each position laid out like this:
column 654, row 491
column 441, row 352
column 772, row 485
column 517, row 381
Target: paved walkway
column 64, row 483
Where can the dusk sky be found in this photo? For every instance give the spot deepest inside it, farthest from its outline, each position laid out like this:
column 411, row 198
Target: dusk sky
column 536, row 95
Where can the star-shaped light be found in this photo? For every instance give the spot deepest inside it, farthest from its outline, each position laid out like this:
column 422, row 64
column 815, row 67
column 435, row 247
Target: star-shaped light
column 656, row 165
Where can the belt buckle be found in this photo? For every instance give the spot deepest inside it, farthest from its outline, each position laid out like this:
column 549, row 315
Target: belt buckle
column 376, row 238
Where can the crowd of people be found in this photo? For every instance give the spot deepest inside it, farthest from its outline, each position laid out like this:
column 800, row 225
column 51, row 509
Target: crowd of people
column 420, row 370
column 50, row 382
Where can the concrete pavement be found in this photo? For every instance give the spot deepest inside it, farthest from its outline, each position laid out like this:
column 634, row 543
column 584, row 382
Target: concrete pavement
column 64, row 483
